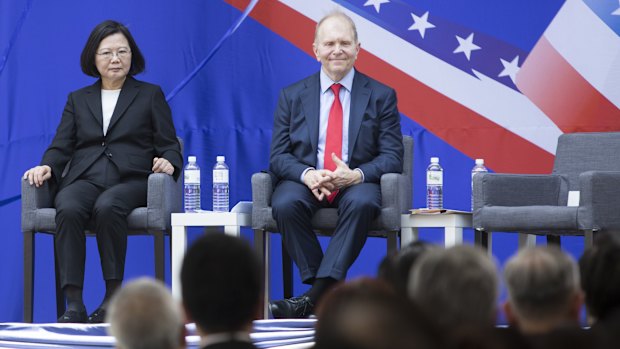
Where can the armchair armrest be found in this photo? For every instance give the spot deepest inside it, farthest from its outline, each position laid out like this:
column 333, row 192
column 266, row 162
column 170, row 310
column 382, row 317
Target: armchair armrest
column 164, row 196
column 34, row 198
column 395, row 192
column 599, row 200
column 499, row 189
column 262, row 189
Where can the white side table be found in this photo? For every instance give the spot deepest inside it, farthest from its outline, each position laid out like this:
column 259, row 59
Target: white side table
column 453, row 223
column 240, row 216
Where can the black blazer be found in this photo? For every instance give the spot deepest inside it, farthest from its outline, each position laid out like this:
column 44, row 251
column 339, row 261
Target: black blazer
column 375, row 137
column 140, row 129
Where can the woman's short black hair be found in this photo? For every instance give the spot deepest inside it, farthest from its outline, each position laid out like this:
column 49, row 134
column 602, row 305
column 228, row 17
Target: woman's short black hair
column 102, row 31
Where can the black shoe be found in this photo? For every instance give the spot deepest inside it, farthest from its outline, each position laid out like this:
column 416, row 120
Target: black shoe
column 97, row 317
column 73, row 316
column 292, row 308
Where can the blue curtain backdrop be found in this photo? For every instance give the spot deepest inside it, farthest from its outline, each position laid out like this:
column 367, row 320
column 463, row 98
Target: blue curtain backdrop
column 226, row 109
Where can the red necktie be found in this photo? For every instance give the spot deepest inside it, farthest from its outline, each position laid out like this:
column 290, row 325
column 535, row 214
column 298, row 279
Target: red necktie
column 333, row 140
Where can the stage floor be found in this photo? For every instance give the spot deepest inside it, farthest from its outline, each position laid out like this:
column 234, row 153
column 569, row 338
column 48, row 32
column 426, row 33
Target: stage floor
column 266, row 334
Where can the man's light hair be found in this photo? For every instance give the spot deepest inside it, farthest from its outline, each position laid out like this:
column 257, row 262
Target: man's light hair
column 142, row 314
column 459, row 283
column 334, row 14
column 541, row 282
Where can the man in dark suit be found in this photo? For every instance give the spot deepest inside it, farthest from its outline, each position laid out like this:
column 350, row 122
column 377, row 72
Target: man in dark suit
column 335, row 133
column 222, row 290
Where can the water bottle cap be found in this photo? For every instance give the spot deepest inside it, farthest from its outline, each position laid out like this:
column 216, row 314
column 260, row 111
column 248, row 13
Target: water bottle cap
column 220, row 158
column 191, row 159
column 479, row 161
column 435, row 160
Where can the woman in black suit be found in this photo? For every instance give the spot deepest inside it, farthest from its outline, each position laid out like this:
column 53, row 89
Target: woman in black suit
column 113, row 134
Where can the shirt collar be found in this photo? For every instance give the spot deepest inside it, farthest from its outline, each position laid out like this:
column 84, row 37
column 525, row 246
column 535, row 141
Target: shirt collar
column 327, row 82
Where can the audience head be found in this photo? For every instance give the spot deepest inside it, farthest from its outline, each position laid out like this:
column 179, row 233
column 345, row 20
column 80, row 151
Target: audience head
column 143, row 315
column 457, row 286
column 600, row 276
column 221, row 284
column 543, row 290
column 367, row 314
column 395, row 268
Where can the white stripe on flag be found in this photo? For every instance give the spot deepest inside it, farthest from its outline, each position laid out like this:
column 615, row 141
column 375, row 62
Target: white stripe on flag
column 589, row 45
column 485, row 96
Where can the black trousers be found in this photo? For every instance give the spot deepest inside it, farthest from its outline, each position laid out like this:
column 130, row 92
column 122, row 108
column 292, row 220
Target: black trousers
column 293, row 207
column 102, row 198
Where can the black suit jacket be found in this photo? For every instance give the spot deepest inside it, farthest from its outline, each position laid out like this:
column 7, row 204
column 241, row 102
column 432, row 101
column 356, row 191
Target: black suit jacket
column 140, row 129
column 375, row 137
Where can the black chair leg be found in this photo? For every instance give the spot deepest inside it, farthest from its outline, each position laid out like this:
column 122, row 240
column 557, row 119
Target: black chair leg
column 481, row 238
column 60, row 297
column 554, row 240
column 287, row 273
column 28, row 275
column 160, row 251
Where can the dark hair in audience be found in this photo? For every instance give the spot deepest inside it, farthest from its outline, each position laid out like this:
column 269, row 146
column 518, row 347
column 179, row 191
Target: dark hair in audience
column 600, row 275
column 395, row 268
column 221, row 283
column 368, row 314
column 102, row 31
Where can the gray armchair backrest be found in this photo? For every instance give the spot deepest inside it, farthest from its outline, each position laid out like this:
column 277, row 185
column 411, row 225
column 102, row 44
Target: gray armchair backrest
column 580, row 152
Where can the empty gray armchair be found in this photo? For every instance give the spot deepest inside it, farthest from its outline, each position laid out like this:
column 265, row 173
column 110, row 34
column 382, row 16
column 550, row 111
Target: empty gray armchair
column 395, row 196
column 164, row 196
column 537, row 204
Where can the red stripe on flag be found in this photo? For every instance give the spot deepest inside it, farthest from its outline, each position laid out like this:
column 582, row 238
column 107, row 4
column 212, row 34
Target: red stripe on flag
column 573, row 104
column 461, row 127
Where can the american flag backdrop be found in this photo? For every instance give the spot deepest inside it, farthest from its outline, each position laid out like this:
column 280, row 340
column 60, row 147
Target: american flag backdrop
column 484, row 95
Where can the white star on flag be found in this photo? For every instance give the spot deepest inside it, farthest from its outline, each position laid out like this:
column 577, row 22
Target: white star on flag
column 421, row 24
column 510, row 69
column 466, row 45
column 376, row 4
column 617, row 11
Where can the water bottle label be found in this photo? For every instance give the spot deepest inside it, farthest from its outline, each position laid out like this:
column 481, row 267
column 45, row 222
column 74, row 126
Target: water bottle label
column 220, row 176
column 434, row 178
column 192, row 177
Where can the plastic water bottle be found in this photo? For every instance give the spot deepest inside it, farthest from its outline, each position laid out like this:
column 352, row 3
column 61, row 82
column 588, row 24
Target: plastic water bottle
column 478, row 168
column 434, row 185
column 192, row 185
column 220, row 185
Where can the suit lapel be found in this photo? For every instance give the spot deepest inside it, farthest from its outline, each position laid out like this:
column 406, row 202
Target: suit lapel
column 93, row 100
column 130, row 90
column 360, row 95
column 310, row 100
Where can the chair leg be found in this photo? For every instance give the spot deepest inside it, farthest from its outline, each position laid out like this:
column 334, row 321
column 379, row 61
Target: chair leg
column 554, row 240
column 588, row 239
column 392, row 242
column 262, row 250
column 60, row 297
column 481, row 238
column 287, row 273
column 28, row 275
column 160, row 251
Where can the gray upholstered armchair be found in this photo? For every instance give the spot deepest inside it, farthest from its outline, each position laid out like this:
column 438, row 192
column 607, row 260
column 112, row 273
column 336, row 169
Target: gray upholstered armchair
column 164, row 196
column 537, row 204
column 396, row 199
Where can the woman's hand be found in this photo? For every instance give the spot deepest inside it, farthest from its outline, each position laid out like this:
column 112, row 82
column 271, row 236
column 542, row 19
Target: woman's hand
column 38, row 174
column 161, row 165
